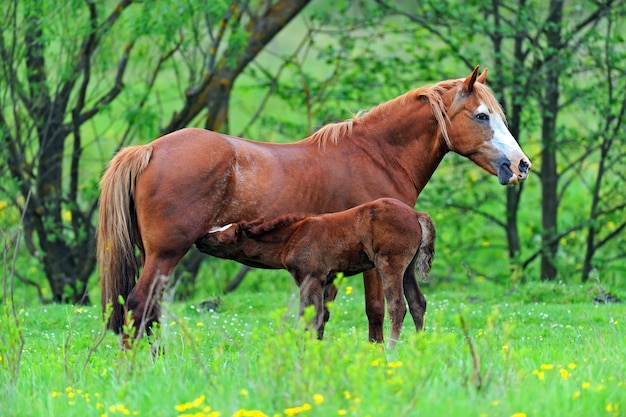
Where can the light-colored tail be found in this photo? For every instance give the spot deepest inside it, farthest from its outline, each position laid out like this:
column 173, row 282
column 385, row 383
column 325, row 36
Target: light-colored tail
column 118, row 233
column 426, row 252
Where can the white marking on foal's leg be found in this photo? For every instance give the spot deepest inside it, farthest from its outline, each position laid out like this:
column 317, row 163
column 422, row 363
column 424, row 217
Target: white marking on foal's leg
column 220, row 229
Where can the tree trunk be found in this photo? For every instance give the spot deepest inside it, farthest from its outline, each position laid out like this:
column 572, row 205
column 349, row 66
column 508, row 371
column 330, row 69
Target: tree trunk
column 549, row 173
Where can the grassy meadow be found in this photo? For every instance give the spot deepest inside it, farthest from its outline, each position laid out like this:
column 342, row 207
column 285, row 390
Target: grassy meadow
column 539, row 350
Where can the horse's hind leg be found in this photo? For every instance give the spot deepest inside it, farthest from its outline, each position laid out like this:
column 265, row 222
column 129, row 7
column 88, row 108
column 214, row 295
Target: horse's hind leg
column 414, row 298
column 330, row 293
column 143, row 301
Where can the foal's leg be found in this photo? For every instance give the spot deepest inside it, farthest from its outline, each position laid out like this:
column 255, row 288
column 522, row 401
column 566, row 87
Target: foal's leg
column 374, row 304
column 391, row 276
column 312, row 293
column 414, row 297
column 330, row 293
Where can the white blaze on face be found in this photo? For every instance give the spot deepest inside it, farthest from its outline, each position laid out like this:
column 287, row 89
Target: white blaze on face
column 220, row 229
column 502, row 138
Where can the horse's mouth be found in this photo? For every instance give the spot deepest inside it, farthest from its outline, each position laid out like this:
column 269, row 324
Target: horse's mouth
column 505, row 175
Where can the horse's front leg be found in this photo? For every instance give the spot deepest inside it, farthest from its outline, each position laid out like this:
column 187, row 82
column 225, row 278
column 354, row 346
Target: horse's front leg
column 312, row 293
column 374, row 304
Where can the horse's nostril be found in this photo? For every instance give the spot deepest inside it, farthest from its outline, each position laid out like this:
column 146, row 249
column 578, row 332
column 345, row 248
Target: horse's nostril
column 523, row 166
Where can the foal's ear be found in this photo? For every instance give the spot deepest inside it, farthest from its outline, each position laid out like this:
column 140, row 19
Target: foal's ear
column 257, row 221
column 482, row 78
column 468, row 84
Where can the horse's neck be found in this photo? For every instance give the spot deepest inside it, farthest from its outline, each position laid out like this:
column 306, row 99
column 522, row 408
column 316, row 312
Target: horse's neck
column 408, row 132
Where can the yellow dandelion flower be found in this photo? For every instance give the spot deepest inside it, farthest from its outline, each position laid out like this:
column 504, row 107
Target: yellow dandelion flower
column 505, row 347
column 518, row 415
column 55, row 394
column 182, row 407
column 297, row 410
column 609, row 407
column 249, row 413
column 546, row 366
column 198, row 401
column 375, row 362
column 539, row 374
column 564, row 373
column 318, row 399
column 347, row 395
column 571, row 366
column 575, row 395
column 244, row 392
column 397, row 364
column 199, row 324
column 348, row 290
column 495, row 403
column 342, row 412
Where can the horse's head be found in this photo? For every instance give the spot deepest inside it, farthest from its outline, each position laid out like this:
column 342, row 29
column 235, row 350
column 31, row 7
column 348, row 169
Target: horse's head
column 476, row 129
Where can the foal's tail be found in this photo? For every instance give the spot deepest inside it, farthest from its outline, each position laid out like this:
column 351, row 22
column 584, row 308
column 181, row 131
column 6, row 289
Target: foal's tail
column 118, row 233
column 426, row 252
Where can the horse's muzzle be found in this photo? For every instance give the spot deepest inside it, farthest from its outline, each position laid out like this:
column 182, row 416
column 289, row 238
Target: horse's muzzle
column 507, row 176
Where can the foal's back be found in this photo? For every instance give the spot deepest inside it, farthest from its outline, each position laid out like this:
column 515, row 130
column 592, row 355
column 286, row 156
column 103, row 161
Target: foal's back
column 351, row 241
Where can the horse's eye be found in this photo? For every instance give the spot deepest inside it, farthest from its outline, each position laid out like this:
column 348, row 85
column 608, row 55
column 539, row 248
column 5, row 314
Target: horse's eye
column 482, row 116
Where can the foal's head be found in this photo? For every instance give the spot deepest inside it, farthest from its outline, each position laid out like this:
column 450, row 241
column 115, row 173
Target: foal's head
column 476, row 128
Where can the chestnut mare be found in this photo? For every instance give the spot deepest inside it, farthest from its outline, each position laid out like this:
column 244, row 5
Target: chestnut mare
column 386, row 234
column 164, row 196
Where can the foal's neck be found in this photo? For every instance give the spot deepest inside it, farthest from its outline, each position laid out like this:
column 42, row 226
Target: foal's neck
column 267, row 247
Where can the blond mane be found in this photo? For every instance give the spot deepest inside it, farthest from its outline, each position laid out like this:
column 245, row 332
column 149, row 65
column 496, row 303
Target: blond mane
column 333, row 132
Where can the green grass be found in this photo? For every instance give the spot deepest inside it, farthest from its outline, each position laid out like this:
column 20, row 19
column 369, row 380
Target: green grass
column 557, row 355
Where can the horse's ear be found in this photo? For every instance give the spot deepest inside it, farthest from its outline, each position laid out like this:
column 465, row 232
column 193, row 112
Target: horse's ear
column 468, row 84
column 482, row 78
